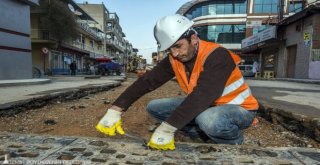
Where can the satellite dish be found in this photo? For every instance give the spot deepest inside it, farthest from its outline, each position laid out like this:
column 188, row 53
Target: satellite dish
column 71, row 8
column 77, row 13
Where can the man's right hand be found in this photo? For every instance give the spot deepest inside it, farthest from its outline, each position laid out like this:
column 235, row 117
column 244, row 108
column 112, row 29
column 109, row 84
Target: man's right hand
column 110, row 123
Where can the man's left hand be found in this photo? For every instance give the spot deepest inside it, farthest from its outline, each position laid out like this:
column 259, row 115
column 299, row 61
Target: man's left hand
column 163, row 137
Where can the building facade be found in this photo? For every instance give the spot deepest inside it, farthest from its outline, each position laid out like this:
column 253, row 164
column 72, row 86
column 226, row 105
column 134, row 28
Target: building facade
column 82, row 49
column 290, row 49
column 228, row 22
column 116, row 46
column 298, row 53
column 15, row 44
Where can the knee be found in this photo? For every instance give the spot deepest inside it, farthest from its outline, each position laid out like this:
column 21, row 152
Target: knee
column 207, row 123
column 152, row 107
column 215, row 125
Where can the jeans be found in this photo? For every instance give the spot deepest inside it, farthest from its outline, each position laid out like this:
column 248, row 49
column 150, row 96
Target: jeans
column 222, row 124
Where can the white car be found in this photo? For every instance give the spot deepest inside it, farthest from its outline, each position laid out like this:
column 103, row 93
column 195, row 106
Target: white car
column 246, row 70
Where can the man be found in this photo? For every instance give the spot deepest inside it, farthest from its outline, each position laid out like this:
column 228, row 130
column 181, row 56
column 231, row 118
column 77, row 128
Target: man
column 218, row 102
column 73, row 68
column 255, row 67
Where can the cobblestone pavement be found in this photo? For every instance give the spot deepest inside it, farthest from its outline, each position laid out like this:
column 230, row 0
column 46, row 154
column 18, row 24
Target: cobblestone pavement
column 34, row 149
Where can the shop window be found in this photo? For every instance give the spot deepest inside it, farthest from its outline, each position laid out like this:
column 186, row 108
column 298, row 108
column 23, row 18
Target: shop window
column 269, row 61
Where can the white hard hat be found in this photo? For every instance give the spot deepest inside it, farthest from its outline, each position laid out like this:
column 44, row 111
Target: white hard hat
column 169, row 29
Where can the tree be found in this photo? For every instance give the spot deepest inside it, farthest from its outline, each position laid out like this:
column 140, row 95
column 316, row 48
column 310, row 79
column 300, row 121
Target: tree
column 59, row 20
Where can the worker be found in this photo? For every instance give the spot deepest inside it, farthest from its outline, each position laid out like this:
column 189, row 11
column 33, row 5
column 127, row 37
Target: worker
column 218, row 102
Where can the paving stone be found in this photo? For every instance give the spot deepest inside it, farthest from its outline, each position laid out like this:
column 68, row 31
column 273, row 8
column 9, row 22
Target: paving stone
column 108, row 151
column 86, row 154
column 22, row 148
column 99, row 160
column 98, row 143
column 246, row 160
column 77, row 149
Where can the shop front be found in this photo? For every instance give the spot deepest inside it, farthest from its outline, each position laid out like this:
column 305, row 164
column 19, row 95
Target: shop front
column 266, row 47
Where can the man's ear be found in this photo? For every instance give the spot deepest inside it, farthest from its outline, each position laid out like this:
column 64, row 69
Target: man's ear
column 194, row 39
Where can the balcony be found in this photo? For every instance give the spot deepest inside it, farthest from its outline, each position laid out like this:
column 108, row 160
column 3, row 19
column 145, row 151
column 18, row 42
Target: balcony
column 112, row 43
column 42, row 35
column 90, row 31
column 114, row 17
column 86, row 47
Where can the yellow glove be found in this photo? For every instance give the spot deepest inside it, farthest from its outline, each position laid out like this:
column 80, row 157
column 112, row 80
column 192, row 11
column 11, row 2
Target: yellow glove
column 110, row 123
column 163, row 137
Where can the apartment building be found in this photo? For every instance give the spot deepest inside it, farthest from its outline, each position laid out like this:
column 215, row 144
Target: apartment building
column 15, row 44
column 116, row 46
column 50, row 56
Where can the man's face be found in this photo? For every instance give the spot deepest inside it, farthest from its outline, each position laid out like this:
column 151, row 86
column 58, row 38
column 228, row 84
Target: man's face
column 183, row 50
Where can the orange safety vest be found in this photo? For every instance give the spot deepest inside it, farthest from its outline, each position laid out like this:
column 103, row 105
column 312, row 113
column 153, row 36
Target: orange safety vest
column 236, row 91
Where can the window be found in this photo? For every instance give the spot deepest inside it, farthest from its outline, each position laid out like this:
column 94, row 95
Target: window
column 218, row 7
column 295, row 6
column 265, row 6
column 222, row 33
column 91, row 43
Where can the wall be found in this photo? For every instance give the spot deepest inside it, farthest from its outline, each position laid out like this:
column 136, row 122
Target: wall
column 294, row 36
column 37, row 56
column 314, row 66
column 281, row 61
column 15, row 45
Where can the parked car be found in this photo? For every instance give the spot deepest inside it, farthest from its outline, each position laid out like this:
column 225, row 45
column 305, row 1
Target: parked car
column 246, row 70
column 109, row 68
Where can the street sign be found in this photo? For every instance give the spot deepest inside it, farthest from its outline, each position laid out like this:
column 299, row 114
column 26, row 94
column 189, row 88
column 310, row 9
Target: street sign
column 45, row 50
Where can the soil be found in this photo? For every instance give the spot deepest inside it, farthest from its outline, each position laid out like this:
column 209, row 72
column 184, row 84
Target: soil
column 79, row 117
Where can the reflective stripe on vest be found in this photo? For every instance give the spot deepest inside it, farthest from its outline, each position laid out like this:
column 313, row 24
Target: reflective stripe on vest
column 241, row 97
column 232, row 87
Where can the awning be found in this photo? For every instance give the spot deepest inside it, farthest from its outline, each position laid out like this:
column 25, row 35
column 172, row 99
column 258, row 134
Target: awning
column 103, row 59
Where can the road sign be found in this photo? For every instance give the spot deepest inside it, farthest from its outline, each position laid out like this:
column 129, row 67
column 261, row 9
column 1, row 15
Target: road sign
column 45, row 50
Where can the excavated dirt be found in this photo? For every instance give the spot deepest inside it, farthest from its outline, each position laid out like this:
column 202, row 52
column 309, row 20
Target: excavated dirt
column 79, row 117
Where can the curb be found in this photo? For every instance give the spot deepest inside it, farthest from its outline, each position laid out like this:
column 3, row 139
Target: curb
column 10, row 109
column 9, row 83
column 307, row 81
column 294, row 122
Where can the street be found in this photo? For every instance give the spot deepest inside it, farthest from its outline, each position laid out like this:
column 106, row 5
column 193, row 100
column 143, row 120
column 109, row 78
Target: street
column 78, row 117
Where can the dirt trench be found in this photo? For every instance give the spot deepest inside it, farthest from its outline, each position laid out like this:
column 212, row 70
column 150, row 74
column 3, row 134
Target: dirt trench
column 79, row 117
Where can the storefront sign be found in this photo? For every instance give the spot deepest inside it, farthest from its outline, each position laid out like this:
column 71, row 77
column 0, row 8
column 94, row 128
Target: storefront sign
column 265, row 35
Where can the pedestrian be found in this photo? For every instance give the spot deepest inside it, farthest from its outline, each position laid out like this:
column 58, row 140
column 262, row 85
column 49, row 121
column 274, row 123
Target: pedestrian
column 92, row 70
column 255, row 67
column 73, row 68
column 218, row 102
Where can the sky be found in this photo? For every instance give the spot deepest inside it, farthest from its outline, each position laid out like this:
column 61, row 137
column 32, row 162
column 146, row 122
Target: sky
column 137, row 19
